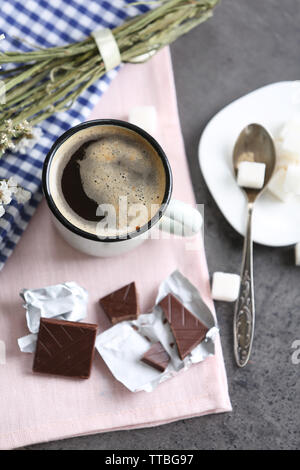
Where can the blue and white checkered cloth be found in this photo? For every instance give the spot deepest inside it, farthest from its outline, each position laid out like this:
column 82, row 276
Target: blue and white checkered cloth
column 49, row 23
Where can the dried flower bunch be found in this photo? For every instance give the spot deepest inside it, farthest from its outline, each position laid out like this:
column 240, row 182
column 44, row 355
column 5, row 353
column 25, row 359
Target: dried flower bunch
column 49, row 80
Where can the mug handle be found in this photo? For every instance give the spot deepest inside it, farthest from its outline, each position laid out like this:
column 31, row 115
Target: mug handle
column 181, row 219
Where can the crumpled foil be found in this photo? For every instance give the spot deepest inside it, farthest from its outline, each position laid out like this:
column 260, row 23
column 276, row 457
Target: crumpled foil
column 67, row 301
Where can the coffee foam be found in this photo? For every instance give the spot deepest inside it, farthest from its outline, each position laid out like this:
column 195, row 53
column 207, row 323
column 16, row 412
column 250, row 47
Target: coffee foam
column 117, row 162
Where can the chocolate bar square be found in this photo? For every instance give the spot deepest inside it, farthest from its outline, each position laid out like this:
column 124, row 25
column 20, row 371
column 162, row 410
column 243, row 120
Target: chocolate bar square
column 121, row 304
column 187, row 329
column 65, row 348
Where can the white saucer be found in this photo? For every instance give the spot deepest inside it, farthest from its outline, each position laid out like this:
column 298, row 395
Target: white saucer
column 274, row 223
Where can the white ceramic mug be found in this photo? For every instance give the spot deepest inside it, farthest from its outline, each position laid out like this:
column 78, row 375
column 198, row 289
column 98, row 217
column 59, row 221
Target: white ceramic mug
column 174, row 216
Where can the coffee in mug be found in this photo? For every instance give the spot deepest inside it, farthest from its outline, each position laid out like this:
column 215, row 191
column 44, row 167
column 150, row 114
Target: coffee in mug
column 107, row 167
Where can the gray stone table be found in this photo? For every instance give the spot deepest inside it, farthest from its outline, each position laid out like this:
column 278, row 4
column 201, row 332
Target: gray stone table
column 248, row 43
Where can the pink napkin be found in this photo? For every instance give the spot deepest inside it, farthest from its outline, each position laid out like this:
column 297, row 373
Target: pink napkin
column 35, row 408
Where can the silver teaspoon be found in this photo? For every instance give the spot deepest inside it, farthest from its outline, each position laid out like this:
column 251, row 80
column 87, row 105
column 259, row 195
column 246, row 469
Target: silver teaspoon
column 254, row 144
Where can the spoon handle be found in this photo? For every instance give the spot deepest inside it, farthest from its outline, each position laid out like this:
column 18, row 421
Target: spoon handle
column 244, row 315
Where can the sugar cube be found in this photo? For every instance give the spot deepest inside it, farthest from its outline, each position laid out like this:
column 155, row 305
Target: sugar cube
column 285, row 158
column 297, row 254
column 277, row 186
column 290, row 136
column 251, row 174
column 292, row 179
column 225, row 286
column 144, row 117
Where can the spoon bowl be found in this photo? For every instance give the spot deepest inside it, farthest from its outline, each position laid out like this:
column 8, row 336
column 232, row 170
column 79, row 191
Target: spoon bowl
column 255, row 144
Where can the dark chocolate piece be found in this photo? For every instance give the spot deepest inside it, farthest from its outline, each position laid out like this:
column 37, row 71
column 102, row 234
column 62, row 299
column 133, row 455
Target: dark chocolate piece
column 186, row 328
column 65, row 348
column 157, row 357
column 121, row 304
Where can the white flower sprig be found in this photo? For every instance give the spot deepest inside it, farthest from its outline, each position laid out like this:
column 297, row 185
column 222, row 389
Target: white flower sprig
column 10, row 189
column 19, row 137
